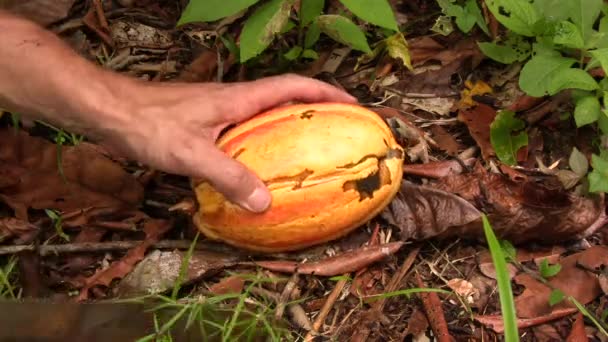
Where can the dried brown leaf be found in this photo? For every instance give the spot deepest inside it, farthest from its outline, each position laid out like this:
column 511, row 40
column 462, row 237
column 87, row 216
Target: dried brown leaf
column 422, row 212
column 496, row 322
column 578, row 333
column 444, row 140
column 552, row 254
column 437, row 169
column 346, row 262
column 231, row 284
column 572, row 280
column 91, row 179
column 478, row 120
column 12, row 227
column 43, row 12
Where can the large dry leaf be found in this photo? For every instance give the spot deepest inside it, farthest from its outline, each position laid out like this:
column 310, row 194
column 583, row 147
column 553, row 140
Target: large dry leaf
column 43, row 12
column 574, row 279
column 478, row 120
column 30, row 177
column 519, row 211
column 12, row 227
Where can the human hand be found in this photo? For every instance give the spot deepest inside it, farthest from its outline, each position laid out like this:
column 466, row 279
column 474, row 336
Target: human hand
column 174, row 127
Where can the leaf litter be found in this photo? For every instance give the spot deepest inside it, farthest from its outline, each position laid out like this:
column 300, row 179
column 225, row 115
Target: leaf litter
column 440, row 97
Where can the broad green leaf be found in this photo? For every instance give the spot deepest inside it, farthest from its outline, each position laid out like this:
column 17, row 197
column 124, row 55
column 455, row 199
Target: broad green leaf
column 293, row 53
column 553, row 10
column 548, row 271
column 262, row 26
column 598, row 178
column 519, row 16
column 514, row 49
column 578, row 162
column 503, row 141
column 599, row 39
column 537, row 75
column 508, row 250
column 343, row 30
column 602, row 122
column 568, row 35
column 587, row 110
column 396, row 45
column 463, row 19
column 602, row 56
column 309, row 10
column 212, row 10
column 472, row 9
column 312, row 35
column 310, row 54
column 556, row 297
column 571, row 79
column 584, row 13
column 377, row 12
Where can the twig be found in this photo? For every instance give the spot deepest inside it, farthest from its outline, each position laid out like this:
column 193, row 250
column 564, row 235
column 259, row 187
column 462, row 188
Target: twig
column 397, row 278
column 44, row 250
column 434, row 313
column 329, row 303
column 286, row 295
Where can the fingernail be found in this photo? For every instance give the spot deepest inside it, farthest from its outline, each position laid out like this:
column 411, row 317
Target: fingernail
column 258, row 201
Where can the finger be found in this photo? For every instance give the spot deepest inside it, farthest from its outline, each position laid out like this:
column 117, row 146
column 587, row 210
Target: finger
column 233, row 179
column 272, row 91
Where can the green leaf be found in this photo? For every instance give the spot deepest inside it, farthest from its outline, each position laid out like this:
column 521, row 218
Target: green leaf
column 293, row 53
column 262, row 26
column 556, row 296
column 514, row 49
column 602, row 56
column 464, row 20
column 568, row 35
column 520, row 16
column 586, row 110
column 571, row 79
column 212, row 10
column 584, row 13
column 508, row 250
column 602, row 122
column 471, row 8
column 505, row 293
column 343, row 30
column 310, row 54
column 377, row 12
column 396, row 45
column 537, row 75
column 578, row 162
column 504, row 142
column 309, row 10
column 312, row 35
column 598, row 178
column 553, row 9
column 548, row 271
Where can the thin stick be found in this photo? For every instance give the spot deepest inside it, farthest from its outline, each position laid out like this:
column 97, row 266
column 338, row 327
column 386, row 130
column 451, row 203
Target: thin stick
column 397, row 278
column 109, row 246
column 329, row 303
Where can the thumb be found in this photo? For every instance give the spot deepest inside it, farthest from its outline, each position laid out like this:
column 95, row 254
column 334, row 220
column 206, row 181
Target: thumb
column 235, row 181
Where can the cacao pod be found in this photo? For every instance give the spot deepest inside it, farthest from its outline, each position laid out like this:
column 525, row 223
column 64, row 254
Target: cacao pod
column 329, row 167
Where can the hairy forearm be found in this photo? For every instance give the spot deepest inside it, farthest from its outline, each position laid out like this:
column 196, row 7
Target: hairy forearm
column 42, row 78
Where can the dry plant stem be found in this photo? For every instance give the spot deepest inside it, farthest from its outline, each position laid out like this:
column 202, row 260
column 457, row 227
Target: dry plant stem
column 327, row 306
column 434, row 313
column 286, row 294
column 101, row 17
column 44, row 250
column 397, row 278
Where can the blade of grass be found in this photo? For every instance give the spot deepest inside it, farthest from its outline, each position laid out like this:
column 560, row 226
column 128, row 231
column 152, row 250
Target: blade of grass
column 507, row 303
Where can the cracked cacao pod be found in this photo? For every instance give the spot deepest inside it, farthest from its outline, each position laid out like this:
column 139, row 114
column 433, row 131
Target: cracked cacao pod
column 329, row 167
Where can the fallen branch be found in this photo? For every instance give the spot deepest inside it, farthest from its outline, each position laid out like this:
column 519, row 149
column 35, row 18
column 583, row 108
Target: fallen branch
column 44, row 250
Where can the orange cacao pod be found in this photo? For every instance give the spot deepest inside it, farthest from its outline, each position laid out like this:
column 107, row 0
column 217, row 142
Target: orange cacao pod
column 329, row 167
